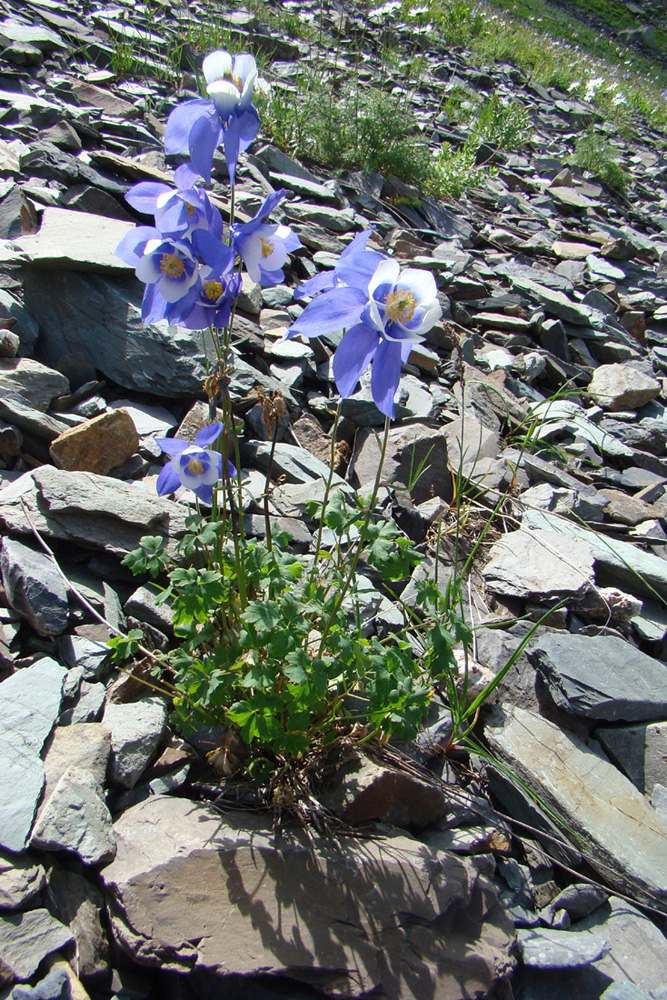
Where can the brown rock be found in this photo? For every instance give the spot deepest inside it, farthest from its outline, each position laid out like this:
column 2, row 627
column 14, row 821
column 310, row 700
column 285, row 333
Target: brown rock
column 634, row 322
column 99, row 445
column 627, row 509
column 622, row 387
column 192, row 889
column 363, row 789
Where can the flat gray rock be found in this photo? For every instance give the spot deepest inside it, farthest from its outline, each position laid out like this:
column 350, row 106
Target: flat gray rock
column 625, row 991
column 34, row 587
column 332, row 913
column 638, row 948
column 28, row 382
column 63, row 242
column 21, row 878
column 626, row 565
column 600, row 677
column 136, row 730
column 99, row 319
column 27, row 938
column 75, row 818
column 552, row 949
column 617, row 830
column 640, row 752
column 538, row 564
column 93, row 511
column 29, row 707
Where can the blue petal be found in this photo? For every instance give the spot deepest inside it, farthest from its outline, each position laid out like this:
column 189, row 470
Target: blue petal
column 270, row 278
column 215, row 253
column 207, row 435
column 332, row 310
column 171, row 446
column 232, row 142
column 358, row 243
column 143, row 197
column 232, row 470
column 248, row 126
column 353, row 356
column 131, row 247
column 185, row 177
column 385, row 376
column 357, row 269
column 314, row 285
column 203, row 142
column 154, row 306
column 180, row 123
column 168, row 481
column 204, row 493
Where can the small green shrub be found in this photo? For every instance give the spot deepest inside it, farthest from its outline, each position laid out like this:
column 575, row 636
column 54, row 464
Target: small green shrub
column 591, row 152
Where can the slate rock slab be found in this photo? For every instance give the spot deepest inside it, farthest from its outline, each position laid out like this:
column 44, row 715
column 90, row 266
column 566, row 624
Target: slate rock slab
column 76, row 818
column 553, row 949
column 136, row 730
column 99, row 319
column 21, row 878
column 640, row 751
column 68, row 239
column 29, row 707
column 90, row 510
column 27, row 938
column 617, row 562
column 617, row 830
column 345, row 916
column 26, row 381
column 538, row 564
column 34, row 587
column 601, row 677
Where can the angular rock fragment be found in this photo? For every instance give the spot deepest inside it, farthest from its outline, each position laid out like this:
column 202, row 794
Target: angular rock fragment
column 76, row 818
column 29, row 706
column 136, row 732
column 621, row 387
column 601, row 677
column 27, row 938
column 539, row 564
column 34, row 587
column 98, row 445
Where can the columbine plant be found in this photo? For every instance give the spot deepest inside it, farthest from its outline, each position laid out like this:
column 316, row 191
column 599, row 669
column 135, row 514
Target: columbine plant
column 270, row 644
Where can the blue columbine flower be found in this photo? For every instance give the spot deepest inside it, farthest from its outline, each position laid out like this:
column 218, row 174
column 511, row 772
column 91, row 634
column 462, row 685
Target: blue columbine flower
column 178, row 212
column 401, row 308
column 193, row 466
column 383, row 316
column 168, row 268
column 263, row 247
column 355, row 265
column 217, row 287
column 197, row 126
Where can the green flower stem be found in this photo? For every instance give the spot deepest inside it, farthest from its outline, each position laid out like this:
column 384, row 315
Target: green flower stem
column 327, row 489
column 362, row 538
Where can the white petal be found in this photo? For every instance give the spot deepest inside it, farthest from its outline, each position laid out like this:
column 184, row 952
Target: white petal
column 153, row 245
column 429, row 319
column 421, row 283
column 387, row 271
column 164, row 198
column 217, row 65
column 147, row 270
column 245, row 67
column 224, row 95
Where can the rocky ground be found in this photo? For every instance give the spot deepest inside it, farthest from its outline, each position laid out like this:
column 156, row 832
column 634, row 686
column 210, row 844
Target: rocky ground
column 545, row 383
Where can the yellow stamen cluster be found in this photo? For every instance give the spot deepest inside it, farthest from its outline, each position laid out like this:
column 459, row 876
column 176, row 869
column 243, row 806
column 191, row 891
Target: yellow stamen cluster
column 171, row 265
column 238, row 83
column 195, row 467
column 213, row 290
column 190, row 209
column 400, row 305
column 267, row 247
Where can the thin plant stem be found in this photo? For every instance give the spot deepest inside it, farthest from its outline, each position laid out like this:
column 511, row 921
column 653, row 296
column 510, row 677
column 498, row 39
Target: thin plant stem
column 327, row 488
column 362, row 536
